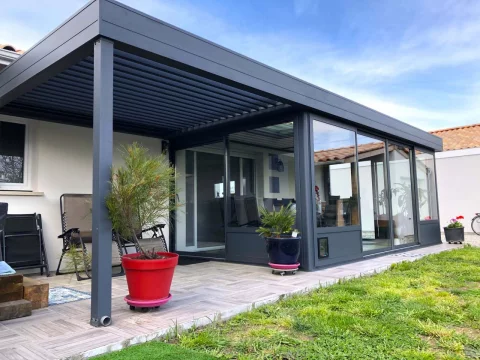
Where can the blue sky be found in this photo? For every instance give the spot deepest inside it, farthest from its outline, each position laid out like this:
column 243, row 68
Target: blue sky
column 416, row 60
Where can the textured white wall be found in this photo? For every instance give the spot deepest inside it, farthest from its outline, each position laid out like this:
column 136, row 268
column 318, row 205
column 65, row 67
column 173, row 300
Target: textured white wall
column 61, row 162
column 458, row 177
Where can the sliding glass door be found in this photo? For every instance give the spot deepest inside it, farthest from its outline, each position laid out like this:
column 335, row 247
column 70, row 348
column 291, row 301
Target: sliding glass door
column 374, row 200
column 200, row 228
column 401, row 185
column 386, row 194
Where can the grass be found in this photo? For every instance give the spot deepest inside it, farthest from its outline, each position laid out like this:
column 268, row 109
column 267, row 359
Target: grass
column 427, row 309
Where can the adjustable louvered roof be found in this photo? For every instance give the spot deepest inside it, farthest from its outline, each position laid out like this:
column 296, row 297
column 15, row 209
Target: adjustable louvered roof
column 148, row 95
column 166, row 81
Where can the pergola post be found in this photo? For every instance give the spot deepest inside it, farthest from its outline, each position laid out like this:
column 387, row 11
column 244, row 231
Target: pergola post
column 101, row 305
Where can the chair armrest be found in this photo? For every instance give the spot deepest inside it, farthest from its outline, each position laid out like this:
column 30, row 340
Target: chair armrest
column 69, row 232
column 154, row 228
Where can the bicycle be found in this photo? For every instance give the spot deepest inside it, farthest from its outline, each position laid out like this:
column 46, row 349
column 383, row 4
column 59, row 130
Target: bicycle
column 476, row 224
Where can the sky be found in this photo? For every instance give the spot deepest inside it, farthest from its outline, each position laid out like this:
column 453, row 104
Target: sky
column 415, row 60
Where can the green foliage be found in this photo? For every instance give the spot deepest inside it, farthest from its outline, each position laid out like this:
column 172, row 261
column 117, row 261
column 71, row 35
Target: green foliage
column 156, row 350
column 75, row 257
column 142, row 193
column 275, row 223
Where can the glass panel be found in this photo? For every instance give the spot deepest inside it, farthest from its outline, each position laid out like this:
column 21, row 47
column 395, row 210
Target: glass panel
column 373, row 196
column 336, row 191
column 402, row 194
column 427, row 189
column 199, row 225
column 12, row 147
column 262, row 167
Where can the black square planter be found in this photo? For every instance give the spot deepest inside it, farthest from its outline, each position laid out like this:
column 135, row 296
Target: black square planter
column 454, row 234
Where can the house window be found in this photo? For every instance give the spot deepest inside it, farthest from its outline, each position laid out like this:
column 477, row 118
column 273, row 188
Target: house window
column 12, row 154
column 426, row 185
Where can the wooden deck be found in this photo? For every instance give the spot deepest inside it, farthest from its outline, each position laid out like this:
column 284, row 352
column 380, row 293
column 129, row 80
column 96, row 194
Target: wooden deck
column 201, row 292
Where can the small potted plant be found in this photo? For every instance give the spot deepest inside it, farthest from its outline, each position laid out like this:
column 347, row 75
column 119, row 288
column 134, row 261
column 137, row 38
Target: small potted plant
column 454, row 231
column 141, row 197
column 282, row 241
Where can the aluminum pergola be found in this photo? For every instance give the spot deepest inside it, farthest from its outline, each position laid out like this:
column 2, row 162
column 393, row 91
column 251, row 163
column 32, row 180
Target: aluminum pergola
column 112, row 67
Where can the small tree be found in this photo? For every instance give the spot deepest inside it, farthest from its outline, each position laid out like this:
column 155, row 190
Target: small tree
column 276, row 223
column 143, row 193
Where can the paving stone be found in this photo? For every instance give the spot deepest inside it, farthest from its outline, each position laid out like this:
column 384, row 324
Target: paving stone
column 11, row 287
column 15, row 309
column 35, row 291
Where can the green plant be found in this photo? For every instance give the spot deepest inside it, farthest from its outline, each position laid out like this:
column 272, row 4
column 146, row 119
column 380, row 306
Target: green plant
column 143, row 193
column 75, row 258
column 454, row 223
column 275, row 223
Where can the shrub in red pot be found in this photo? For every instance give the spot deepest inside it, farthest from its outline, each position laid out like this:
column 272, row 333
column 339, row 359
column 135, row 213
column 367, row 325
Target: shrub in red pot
column 142, row 195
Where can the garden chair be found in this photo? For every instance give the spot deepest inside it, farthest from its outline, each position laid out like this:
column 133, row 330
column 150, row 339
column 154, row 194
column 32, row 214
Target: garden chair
column 76, row 217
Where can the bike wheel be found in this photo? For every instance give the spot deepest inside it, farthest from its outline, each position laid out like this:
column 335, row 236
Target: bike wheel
column 476, row 224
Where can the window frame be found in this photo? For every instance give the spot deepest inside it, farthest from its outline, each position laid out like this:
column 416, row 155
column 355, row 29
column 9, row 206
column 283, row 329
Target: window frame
column 354, row 130
column 26, row 184
column 437, row 210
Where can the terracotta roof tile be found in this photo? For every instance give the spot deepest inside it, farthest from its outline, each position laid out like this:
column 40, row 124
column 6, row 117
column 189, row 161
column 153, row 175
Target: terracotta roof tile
column 461, row 137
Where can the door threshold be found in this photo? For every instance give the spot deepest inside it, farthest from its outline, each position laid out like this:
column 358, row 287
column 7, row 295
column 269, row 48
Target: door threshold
column 392, row 251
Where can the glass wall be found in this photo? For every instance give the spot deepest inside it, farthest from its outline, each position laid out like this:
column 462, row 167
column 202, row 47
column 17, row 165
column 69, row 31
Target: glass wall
column 426, row 185
column 262, row 172
column 403, row 217
column 199, row 224
column 374, row 203
column 336, row 190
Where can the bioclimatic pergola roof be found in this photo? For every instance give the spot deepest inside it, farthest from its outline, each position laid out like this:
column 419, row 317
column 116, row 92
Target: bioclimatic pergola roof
column 166, row 80
column 149, row 97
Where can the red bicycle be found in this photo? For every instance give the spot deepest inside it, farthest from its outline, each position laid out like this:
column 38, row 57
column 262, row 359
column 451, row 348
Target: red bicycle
column 476, row 224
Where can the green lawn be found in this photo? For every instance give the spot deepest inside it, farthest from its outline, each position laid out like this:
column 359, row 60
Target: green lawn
column 429, row 309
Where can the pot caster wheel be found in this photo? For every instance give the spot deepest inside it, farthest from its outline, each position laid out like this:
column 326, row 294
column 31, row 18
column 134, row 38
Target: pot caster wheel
column 157, row 307
column 132, row 307
column 144, row 310
column 273, row 271
column 294, row 272
column 282, row 273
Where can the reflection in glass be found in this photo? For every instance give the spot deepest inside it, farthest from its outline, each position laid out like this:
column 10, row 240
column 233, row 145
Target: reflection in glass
column 427, row 189
column 402, row 194
column 374, row 205
column 336, row 191
column 263, row 168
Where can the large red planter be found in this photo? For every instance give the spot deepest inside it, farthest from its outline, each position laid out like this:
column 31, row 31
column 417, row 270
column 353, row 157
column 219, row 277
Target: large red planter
column 149, row 279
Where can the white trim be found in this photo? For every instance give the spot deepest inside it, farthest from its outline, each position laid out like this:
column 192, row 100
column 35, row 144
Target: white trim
column 20, row 193
column 457, row 153
column 27, row 163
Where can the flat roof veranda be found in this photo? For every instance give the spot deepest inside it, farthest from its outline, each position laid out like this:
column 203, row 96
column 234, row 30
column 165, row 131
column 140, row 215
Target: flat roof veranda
column 112, row 67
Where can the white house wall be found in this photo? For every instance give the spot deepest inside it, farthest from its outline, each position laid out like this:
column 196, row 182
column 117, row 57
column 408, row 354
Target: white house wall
column 60, row 159
column 458, row 175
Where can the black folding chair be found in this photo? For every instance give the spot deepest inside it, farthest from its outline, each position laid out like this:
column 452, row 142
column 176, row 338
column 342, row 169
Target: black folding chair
column 23, row 244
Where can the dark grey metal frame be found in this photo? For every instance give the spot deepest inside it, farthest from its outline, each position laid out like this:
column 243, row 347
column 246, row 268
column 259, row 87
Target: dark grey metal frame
column 103, row 27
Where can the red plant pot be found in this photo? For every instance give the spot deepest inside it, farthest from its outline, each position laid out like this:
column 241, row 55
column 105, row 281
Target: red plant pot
column 149, row 279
